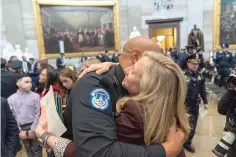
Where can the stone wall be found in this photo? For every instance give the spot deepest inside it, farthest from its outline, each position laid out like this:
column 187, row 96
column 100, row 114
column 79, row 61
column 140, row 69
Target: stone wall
column 18, row 24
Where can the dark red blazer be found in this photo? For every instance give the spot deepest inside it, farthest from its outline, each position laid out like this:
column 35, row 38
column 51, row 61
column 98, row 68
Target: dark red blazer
column 130, row 127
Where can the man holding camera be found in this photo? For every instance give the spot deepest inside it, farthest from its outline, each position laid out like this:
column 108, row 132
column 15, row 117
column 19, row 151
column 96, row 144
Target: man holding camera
column 227, row 106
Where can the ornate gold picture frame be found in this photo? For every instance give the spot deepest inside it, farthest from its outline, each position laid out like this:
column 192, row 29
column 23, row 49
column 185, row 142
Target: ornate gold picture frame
column 225, row 23
column 75, row 40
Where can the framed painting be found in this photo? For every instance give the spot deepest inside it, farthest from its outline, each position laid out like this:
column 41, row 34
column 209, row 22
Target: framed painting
column 225, row 23
column 76, row 28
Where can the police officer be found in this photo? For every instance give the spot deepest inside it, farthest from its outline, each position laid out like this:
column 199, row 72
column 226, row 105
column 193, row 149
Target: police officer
column 8, row 78
column 201, row 68
column 182, row 58
column 196, row 89
column 189, row 50
column 93, row 101
column 224, row 61
column 16, row 66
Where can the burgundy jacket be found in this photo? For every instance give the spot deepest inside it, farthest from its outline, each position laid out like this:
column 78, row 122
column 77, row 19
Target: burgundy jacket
column 130, row 127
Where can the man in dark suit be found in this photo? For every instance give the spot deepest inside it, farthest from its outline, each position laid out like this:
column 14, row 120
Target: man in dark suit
column 115, row 57
column 33, row 67
column 100, row 57
column 25, row 65
column 9, row 131
column 60, row 62
column 83, row 58
column 8, row 78
column 106, row 57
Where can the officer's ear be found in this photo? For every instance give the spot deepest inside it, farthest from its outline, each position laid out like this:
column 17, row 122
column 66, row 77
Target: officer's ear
column 136, row 55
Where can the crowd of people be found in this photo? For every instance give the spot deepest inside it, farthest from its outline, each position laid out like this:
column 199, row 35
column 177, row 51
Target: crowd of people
column 73, row 41
column 137, row 104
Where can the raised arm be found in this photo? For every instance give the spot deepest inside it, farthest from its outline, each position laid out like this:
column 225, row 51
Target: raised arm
column 100, row 68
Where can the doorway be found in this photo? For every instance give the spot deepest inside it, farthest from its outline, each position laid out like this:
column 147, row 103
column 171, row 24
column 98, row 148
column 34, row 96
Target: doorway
column 166, row 32
column 165, row 37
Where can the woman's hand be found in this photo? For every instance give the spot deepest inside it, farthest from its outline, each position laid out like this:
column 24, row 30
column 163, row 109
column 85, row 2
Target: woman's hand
column 100, row 68
column 42, row 126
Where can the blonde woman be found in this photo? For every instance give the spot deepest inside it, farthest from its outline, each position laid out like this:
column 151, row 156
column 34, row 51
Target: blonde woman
column 157, row 95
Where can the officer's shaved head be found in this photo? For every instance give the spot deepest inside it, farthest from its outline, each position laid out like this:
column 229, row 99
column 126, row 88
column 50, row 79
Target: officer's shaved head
column 134, row 48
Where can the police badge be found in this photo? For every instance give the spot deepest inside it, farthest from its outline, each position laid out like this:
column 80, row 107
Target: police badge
column 99, row 99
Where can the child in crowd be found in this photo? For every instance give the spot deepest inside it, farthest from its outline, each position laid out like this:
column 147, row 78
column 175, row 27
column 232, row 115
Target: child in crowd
column 25, row 106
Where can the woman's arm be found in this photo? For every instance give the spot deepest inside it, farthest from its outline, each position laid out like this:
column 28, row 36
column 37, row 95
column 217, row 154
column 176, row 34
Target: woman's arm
column 62, row 147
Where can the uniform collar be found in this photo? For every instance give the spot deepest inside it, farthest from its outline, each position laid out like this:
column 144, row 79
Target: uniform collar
column 191, row 72
column 120, row 75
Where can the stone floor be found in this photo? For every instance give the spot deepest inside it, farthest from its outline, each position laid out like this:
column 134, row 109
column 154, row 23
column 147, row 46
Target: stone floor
column 209, row 129
column 209, row 132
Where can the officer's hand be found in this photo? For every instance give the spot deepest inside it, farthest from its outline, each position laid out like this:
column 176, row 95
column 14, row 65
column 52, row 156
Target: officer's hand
column 174, row 141
column 205, row 106
column 100, row 68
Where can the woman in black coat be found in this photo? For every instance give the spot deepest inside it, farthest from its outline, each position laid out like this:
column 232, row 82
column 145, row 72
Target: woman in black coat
column 226, row 105
column 9, row 131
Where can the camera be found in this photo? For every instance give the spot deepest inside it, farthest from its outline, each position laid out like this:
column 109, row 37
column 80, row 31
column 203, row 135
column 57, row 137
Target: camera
column 228, row 139
column 231, row 81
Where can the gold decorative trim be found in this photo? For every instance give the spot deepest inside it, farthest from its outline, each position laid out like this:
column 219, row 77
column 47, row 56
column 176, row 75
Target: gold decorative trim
column 39, row 30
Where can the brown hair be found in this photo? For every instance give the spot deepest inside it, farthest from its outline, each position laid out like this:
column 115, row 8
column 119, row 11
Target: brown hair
column 69, row 74
column 43, row 63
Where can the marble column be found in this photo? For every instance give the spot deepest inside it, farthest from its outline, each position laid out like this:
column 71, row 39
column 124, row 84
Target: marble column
column 3, row 30
column 123, row 21
column 195, row 14
column 30, row 27
column 208, row 23
column 11, row 10
column 147, row 9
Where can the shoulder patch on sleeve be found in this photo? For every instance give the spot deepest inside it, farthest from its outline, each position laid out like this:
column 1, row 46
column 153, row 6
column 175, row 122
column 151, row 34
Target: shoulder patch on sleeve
column 99, row 99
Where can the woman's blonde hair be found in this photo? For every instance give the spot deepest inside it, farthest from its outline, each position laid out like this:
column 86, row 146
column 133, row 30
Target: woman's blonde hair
column 161, row 98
